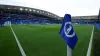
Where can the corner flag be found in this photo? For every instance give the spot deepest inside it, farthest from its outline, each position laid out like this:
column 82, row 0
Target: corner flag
column 98, row 26
column 67, row 32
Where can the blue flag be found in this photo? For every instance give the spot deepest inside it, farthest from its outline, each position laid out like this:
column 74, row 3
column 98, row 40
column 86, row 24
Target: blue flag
column 67, row 32
column 98, row 26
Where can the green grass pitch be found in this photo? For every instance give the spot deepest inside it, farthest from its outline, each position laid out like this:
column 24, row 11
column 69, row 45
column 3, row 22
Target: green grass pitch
column 8, row 45
column 96, row 42
column 42, row 40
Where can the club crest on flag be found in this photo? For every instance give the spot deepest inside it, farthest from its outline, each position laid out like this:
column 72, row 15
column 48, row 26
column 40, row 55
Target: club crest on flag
column 68, row 30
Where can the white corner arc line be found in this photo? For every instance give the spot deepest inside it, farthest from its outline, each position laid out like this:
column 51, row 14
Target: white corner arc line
column 90, row 43
column 18, row 43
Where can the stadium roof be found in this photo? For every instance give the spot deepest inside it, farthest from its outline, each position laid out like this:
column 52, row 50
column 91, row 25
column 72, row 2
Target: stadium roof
column 29, row 10
column 85, row 17
column 60, row 7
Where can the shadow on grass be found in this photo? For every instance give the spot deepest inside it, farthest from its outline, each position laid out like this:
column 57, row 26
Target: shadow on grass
column 96, row 43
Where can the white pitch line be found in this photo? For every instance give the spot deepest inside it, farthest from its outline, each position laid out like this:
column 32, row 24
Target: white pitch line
column 19, row 45
column 90, row 44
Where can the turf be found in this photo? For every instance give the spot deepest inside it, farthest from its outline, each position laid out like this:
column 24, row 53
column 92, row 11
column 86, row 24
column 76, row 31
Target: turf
column 41, row 40
column 96, row 42
column 84, row 33
column 44, row 40
column 8, row 45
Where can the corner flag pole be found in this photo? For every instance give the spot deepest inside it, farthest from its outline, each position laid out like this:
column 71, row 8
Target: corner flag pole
column 69, row 51
column 68, row 34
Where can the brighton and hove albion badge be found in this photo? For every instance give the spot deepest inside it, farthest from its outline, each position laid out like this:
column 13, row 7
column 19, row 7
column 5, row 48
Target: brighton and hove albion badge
column 68, row 30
